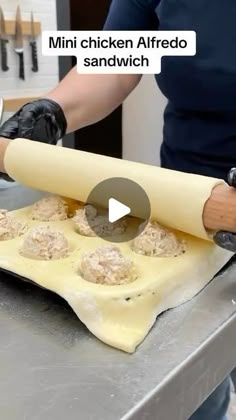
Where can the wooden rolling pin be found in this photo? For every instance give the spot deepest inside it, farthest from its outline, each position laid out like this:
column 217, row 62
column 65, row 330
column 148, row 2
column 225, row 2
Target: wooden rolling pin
column 219, row 211
column 3, row 145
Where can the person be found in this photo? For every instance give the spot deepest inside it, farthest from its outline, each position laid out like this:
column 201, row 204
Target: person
column 199, row 133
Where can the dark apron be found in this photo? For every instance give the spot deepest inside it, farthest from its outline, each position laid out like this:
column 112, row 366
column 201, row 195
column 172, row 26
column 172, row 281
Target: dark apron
column 200, row 118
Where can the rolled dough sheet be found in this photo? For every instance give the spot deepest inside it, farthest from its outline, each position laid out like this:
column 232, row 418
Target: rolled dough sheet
column 120, row 316
column 177, row 199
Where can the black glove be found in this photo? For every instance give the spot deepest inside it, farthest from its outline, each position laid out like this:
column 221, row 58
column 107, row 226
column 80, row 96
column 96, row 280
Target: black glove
column 41, row 120
column 224, row 239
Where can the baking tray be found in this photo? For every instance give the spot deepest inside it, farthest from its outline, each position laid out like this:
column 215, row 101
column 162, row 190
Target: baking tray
column 53, row 368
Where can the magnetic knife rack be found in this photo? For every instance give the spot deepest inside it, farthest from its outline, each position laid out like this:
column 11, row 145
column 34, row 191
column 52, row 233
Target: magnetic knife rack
column 26, row 27
column 13, row 104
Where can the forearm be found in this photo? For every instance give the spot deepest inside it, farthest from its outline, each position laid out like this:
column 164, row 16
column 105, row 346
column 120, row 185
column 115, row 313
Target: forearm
column 3, row 145
column 220, row 210
column 86, row 99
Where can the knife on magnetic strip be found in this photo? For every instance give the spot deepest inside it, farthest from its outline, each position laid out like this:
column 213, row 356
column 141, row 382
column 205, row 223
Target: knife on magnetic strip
column 33, row 45
column 3, row 42
column 19, row 46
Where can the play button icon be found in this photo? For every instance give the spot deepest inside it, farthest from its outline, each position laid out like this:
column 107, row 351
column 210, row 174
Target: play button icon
column 116, row 200
column 117, row 210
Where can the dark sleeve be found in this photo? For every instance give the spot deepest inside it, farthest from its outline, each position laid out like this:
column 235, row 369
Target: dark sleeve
column 132, row 15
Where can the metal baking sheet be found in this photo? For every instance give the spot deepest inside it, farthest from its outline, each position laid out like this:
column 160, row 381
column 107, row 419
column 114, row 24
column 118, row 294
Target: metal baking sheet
column 53, row 368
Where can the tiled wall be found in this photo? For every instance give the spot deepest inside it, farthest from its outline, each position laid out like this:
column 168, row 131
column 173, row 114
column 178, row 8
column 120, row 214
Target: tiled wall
column 47, row 77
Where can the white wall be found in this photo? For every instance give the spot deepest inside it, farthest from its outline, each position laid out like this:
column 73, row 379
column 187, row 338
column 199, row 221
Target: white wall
column 143, row 110
column 143, row 123
column 47, row 77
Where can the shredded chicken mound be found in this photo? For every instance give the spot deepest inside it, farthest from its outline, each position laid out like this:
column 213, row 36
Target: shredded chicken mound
column 9, row 227
column 89, row 223
column 107, row 265
column 50, row 209
column 156, row 241
column 43, row 243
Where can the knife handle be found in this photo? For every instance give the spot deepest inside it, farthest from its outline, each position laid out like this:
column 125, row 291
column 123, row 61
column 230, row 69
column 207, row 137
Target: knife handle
column 4, row 54
column 34, row 53
column 22, row 67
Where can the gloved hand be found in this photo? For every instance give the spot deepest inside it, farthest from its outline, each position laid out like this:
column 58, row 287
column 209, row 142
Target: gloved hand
column 224, row 239
column 42, row 120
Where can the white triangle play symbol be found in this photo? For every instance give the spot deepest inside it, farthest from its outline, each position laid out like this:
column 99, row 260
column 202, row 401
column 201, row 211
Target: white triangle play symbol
column 117, row 210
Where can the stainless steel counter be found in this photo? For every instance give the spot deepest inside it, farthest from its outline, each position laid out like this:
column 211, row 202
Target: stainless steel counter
column 52, row 368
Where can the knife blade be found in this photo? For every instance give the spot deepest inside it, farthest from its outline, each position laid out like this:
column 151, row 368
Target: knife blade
column 1, row 109
column 3, row 42
column 33, row 45
column 19, row 45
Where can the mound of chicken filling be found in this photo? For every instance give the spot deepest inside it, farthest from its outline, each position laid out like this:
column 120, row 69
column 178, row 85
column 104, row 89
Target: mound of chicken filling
column 107, row 265
column 157, row 241
column 44, row 243
column 10, row 228
column 49, row 209
column 89, row 223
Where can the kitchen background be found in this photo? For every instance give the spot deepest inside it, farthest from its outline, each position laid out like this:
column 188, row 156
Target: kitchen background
column 134, row 131
column 35, row 83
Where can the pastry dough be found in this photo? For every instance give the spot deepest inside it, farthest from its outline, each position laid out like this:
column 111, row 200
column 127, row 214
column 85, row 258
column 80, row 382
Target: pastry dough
column 177, row 199
column 119, row 315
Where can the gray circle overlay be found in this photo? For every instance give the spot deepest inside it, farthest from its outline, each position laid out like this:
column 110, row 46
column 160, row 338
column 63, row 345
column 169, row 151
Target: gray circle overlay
column 126, row 192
